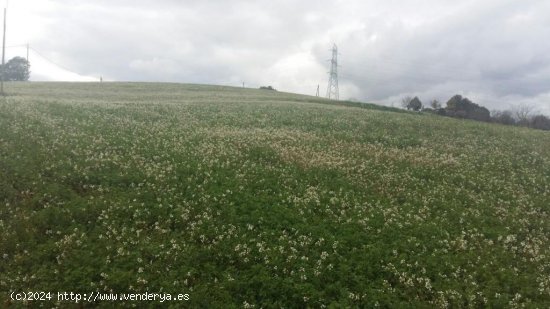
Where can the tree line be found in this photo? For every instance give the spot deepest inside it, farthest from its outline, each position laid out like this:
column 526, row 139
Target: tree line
column 16, row 69
column 461, row 107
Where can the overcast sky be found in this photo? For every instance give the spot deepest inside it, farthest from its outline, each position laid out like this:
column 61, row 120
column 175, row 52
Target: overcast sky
column 495, row 52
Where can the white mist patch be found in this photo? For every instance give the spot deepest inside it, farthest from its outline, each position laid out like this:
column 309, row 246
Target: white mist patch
column 42, row 70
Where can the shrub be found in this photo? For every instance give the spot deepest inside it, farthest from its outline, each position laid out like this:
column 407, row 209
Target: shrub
column 540, row 122
column 460, row 107
column 504, row 117
column 415, row 104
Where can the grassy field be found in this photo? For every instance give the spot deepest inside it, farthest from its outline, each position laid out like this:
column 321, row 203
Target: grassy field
column 250, row 198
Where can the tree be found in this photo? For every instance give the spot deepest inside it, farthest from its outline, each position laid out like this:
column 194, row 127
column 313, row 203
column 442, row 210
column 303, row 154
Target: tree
column 415, row 104
column 460, row 107
column 267, row 88
column 523, row 113
column 540, row 122
column 406, row 101
column 16, row 69
column 480, row 113
column 503, row 117
column 435, row 104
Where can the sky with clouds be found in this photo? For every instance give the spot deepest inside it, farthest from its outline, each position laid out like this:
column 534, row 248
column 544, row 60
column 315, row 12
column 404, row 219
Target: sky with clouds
column 495, row 52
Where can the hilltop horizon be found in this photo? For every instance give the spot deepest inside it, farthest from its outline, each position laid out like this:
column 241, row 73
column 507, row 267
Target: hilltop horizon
column 491, row 52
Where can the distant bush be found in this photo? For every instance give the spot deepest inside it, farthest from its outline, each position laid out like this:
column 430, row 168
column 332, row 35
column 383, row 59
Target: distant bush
column 504, row 117
column 435, row 104
column 522, row 117
column 460, row 107
column 442, row 112
column 267, row 88
column 16, row 69
column 523, row 114
column 415, row 104
column 540, row 122
column 406, row 101
column 411, row 103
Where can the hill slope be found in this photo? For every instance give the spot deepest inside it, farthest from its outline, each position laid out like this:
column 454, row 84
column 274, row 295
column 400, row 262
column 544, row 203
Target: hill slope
column 244, row 197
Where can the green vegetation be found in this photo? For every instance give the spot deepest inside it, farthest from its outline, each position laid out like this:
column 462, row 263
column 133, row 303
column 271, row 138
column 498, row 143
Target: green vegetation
column 16, row 69
column 244, row 198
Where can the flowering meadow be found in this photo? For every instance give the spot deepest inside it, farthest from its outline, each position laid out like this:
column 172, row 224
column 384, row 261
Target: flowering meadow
column 246, row 198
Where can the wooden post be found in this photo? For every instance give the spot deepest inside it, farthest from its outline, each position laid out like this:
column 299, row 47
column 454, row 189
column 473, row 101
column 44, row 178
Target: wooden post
column 3, row 56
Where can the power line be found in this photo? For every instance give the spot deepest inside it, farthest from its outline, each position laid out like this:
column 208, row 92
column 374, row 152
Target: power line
column 28, row 47
column 42, row 56
column 12, row 46
column 51, row 61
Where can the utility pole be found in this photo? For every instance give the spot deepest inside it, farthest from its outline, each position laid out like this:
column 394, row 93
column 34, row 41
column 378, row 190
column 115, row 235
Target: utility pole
column 332, row 89
column 27, row 52
column 3, row 56
column 317, row 93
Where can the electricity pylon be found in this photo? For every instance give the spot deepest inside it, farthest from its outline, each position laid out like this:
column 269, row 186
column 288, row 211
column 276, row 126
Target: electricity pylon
column 332, row 89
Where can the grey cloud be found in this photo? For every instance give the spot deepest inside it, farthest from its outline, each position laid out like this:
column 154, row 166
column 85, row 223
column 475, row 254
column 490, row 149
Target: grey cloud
column 493, row 50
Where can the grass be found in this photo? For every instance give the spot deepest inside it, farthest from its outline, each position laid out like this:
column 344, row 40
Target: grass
column 250, row 198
